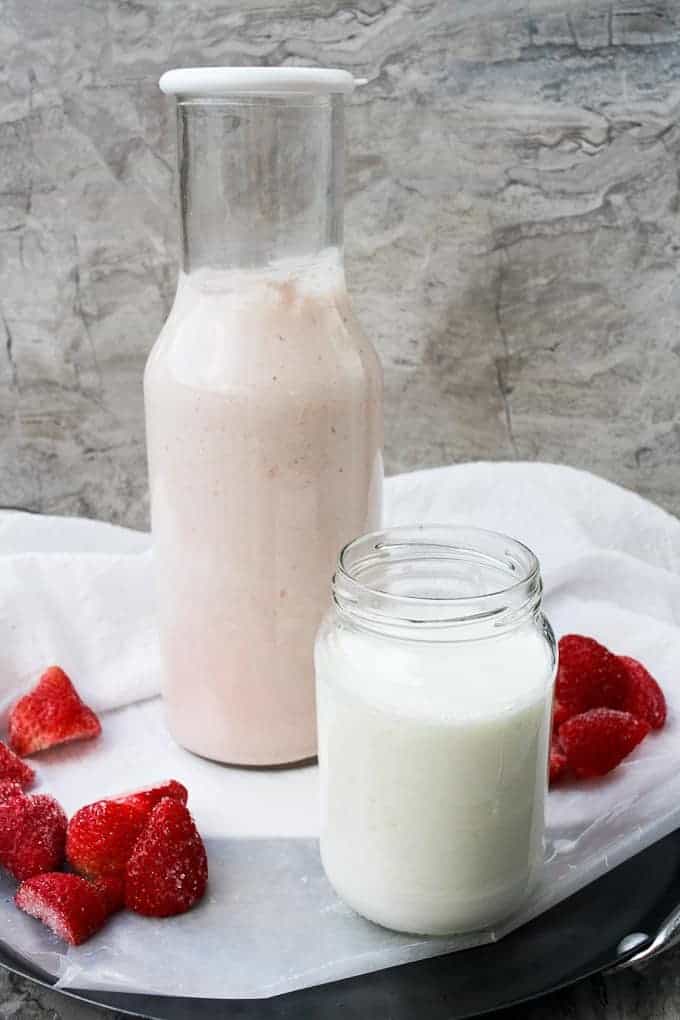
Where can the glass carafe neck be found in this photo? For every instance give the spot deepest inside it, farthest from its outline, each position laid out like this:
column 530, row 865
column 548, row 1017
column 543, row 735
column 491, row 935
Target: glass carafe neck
column 260, row 178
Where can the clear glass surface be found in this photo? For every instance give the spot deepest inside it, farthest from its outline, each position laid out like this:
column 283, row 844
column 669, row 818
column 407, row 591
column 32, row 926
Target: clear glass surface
column 260, row 179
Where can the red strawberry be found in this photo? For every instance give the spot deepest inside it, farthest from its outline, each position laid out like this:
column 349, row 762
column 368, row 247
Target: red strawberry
column 112, row 889
column 588, row 676
column 51, row 714
column 101, row 836
column 560, row 714
column 147, row 798
column 596, row 741
column 9, row 788
column 168, row 871
column 12, row 767
column 32, row 834
column 67, row 904
column 644, row 698
column 558, row 761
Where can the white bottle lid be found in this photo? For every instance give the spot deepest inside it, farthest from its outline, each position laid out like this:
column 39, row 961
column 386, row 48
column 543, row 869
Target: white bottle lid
column 225, row 81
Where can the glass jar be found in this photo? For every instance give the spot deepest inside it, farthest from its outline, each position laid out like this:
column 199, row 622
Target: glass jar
column 263, row 410
column 435, row 672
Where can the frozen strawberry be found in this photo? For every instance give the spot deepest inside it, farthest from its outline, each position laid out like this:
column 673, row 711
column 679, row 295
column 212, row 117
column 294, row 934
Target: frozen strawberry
column 558, row 761
column 69, row 905
column 9, row 788
column 596, row 741
column 560, row 714
column 12, row 767
column 32, row 834
column 644, row 698
column 168, row 871
column 112, row 889
column 51, row 714
column 101, row 836
column 588, row 676
column 147, row 798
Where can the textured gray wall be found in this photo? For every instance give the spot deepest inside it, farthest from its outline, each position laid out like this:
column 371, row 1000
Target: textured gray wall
column 512, row 227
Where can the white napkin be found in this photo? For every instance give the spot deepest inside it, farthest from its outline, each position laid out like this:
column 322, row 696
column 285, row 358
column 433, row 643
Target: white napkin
column 79, row 593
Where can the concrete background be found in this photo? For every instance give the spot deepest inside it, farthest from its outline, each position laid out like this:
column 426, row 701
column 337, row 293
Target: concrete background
column 512, row 228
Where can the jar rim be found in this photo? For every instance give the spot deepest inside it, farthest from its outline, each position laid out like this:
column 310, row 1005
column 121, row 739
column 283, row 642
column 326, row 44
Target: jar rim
column 436, row 575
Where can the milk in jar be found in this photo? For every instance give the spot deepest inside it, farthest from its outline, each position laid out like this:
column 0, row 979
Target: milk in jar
column 434, row 676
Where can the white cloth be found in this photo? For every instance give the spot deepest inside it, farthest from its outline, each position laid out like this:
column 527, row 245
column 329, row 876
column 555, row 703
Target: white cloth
column 79, row 593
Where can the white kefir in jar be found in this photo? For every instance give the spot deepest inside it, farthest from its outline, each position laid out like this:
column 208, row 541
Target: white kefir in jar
column 264, row 413
column 434, row 689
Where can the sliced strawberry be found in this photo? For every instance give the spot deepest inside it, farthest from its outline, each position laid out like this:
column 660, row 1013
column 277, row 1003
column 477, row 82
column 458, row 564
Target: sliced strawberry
column 168, row 870
column 644, row 698
column 112, row 889
column 588, row 676
column 558, row 761
column 51, row 714
column 147, row 798
column 32, row 834
column 597, row 740
column 101, row 836
column 69, row 905
column 12, row 767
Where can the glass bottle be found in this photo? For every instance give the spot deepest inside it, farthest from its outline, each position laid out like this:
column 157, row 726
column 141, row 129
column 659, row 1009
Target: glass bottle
column 435, row 673
column 263, row 408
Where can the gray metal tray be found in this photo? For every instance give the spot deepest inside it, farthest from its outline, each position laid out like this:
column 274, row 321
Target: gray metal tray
column 623, row 919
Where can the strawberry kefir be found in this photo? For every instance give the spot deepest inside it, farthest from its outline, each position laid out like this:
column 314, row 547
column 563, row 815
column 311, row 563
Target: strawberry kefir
column 264, row 412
